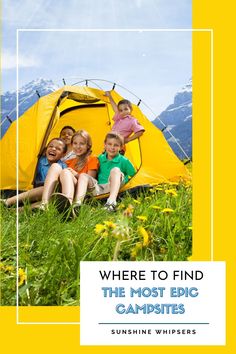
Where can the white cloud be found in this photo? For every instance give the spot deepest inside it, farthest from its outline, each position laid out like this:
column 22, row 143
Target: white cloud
column 8, row 61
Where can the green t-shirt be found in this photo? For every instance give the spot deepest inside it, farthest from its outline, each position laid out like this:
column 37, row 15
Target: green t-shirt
column 119, row 161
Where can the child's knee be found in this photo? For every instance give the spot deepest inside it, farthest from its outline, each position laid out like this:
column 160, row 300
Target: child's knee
column 115, row 171
column 65, row 173
column 56, row 167
column 83, row 176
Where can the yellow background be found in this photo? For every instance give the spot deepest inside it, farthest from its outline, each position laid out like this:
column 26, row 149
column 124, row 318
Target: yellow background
column 63, row 339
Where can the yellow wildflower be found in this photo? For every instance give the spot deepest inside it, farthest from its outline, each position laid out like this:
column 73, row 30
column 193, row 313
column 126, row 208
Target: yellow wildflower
column 133, row 253
column 173, row 183
column 167, row 211
column 2, row 266
column 121, row 206
column 171, row 192
column 105, row 234
column 135, row 250
column 142, row 217
column 129, row 210
column 188, row 183
column 158, row 189
column 190, row 227
column 145, row 236
column 21, row 276
column 9, row 268
column 136, row 201
column 155, row 207
column 110, row 224
column 99, row 228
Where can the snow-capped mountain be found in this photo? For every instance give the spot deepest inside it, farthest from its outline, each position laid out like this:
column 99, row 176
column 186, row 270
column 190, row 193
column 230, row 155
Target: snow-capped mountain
column 177, row 118
column 28, row 95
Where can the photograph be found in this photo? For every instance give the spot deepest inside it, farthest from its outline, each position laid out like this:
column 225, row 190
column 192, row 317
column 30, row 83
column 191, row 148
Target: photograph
column 100, row 176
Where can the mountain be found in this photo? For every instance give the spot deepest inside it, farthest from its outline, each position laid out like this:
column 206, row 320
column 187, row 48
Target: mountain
column 177, row 119
column 28, row 95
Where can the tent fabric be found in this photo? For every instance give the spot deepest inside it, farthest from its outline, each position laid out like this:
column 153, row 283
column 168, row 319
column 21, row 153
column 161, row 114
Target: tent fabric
column 83, row 108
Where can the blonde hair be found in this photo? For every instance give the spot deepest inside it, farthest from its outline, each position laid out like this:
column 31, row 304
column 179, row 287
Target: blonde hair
column 83, row 159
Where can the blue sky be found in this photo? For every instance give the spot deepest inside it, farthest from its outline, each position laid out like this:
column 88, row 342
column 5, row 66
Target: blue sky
column 153, row 65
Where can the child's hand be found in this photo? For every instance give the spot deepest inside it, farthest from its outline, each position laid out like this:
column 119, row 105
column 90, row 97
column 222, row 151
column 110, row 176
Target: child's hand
column 112, row 102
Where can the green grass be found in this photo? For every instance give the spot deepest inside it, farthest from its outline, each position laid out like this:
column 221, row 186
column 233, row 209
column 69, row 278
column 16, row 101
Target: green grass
column 51, row 248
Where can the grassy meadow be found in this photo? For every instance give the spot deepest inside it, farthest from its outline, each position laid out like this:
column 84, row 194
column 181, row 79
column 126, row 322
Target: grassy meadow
column 153, row 225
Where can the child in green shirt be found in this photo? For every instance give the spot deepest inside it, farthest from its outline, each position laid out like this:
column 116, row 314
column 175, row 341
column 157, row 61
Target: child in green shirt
column 114, row 171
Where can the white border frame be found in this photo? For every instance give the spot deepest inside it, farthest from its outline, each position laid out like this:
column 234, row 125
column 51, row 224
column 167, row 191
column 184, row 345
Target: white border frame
column 209, row 30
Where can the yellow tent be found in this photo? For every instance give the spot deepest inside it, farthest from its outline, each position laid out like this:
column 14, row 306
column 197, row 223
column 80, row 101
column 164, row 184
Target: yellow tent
column 83, row 108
